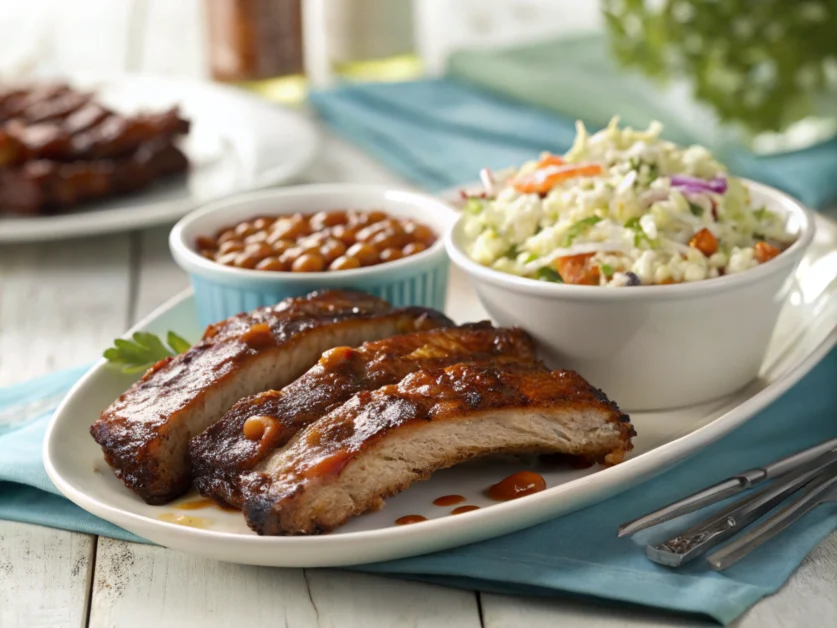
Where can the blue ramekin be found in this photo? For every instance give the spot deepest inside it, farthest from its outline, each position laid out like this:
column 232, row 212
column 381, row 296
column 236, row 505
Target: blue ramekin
column 223, row 291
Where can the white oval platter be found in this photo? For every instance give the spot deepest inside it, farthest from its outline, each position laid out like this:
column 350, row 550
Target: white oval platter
column 806, row 332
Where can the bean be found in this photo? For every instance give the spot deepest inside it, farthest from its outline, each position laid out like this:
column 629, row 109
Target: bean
column 263, row 223
column 271, row 263
column 259, row 236
column 390, row 255
column 412, row 248
column 332, row 249
column 243, row 229
column 245, row 260
column 345, row 233
column 227, row 259
column 389, row 239
column 365, row 254
column 309, row 263
column 367, row 233
column 291, row 228
column 259, row 249
column 230, row 246
column 344, row 263
column 422, row 233
column 226, row 235
column 376, row 216
column 321, row 220
column 206, row 243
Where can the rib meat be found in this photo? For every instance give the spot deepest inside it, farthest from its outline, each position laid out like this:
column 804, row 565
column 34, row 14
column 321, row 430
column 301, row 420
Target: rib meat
column 380, row 442
column 222, row 453
column 145, row 433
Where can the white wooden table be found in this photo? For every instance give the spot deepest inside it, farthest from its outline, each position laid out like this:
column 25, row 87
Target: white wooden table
column 61, row 303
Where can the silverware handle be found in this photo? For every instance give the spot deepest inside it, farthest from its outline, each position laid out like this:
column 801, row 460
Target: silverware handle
column 707, row 496
column 740, row 547
column 780, row 467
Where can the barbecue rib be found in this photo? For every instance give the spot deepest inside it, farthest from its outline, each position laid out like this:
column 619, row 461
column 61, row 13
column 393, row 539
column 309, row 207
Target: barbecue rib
column 43, row 184
column 380, row 442
column 222, row 453
column 145, row 433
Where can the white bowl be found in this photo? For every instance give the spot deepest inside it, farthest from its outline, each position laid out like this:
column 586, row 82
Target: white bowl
column 222, row 291
column 652, row 347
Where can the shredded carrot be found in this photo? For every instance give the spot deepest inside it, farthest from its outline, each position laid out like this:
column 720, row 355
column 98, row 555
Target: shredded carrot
column 765, row 252
column 551, row 171
column 576, row 269
column 550, row 160
column 704, row 242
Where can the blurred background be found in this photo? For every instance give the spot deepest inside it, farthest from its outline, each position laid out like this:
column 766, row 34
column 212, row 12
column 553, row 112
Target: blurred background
column 766, row 70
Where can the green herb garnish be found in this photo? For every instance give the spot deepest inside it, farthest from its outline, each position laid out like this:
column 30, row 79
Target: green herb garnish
column 607, row 270
column 578, row 228
column 143, row 351
column 696, row 209
column 546, row 273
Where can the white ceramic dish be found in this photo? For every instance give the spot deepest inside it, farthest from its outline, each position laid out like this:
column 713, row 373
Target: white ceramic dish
column 222, row 291
column 652, row 347
column 806, row 331
column 237, row 142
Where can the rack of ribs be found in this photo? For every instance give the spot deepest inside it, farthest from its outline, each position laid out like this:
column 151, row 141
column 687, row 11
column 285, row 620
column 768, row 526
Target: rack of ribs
column 145, row 433
column 380, row 442
column 58, row 148
column 226, row 450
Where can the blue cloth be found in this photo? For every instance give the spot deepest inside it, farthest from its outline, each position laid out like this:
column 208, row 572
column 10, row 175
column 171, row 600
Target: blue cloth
column 439, row 133
column 577, row 554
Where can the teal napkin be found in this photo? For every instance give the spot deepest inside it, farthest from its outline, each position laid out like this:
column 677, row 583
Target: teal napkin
column 439, row 133
column 577, row 554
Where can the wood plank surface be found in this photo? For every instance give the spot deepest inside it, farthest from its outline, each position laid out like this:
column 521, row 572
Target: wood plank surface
column 44, row 576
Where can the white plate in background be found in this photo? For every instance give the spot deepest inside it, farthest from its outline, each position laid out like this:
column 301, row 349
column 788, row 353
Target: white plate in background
column 806, row 332
column 237, row 142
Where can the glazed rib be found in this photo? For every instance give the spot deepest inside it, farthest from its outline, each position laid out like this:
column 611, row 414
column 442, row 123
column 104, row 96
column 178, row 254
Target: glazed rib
column 380, row 442
column 145, row 433
column 222, row 453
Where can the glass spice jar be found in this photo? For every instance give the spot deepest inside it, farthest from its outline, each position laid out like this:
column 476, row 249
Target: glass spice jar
column 258, row 44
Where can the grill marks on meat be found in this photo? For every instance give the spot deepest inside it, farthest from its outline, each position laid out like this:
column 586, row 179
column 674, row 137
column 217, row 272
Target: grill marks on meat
column 59, row 148
column 221, row 454
column 380, row 442
column 145, row 433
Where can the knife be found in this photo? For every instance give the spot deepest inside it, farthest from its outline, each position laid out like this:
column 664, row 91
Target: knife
column 818, row 491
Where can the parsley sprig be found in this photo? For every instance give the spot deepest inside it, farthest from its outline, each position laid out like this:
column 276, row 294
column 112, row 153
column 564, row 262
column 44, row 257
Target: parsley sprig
column 143, row 350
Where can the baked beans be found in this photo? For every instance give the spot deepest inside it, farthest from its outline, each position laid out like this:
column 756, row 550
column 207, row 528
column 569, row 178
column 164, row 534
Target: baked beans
column 303, row 243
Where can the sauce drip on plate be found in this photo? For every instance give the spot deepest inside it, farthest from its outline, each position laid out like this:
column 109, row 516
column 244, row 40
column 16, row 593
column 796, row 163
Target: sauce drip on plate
column 185, row 520
column 461, row 509
column 517, row 485
column 407, row 519
column 448, row 500
column 197, row 504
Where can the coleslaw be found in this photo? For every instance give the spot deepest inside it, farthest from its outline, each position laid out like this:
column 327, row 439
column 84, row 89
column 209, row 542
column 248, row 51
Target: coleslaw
column 621, row 208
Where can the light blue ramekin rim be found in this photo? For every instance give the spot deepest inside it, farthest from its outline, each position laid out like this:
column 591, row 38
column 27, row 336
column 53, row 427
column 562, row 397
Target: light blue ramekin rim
column 221, row 291
column 424, row 285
